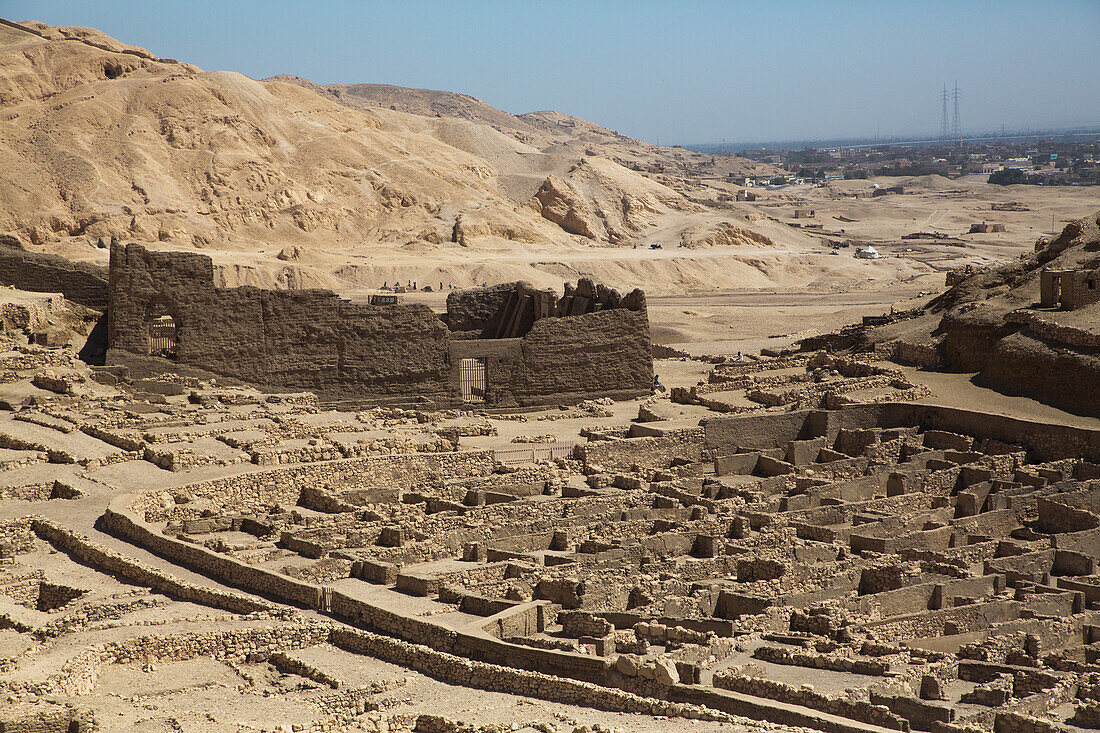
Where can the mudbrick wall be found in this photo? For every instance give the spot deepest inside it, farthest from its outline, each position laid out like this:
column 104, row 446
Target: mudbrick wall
column 539, row 349
column 314, row 340
column 570, row 358
column 43, row 273
column 564, row 360
column 297, row 339
column 476, row 309
column 1026, row 364
column 969, row 338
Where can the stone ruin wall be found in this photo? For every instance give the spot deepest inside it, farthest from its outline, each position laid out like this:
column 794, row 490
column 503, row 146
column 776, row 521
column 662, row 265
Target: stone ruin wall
column 381, row 475
column 1043, row 441
column 314, row 340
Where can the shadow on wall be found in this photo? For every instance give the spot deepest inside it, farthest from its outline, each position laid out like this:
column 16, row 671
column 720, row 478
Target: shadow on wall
column 94, row 350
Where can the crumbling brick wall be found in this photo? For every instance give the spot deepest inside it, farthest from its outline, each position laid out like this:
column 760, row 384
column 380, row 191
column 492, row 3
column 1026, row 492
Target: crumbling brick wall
column 565, row 359
column 279, row 339
column 477, row 309
column 538, row 349
column 314, row 340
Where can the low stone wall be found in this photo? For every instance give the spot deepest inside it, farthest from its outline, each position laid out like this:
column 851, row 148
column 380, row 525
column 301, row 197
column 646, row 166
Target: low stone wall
column 85, row 551
column 276, row 586
column 41, row 716
column 916, row 354
column 1050, row 331
column 480, row 675
column 291, row 665
column 855, row 709
column 936, row 623
column 255, row 491
column 16, row 537
column 777, row 655
column 79, row 675
column 123, row 523
column 1009, row 722
column 654, row 452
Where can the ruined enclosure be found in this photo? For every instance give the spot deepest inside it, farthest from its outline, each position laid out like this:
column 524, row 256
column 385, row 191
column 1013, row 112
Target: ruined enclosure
column 501, row 346
column 931, row 568
column 1069, row 289
column 926, row 568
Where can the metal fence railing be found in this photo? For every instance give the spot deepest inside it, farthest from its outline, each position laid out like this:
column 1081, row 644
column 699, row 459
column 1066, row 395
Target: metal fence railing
column 529, row 453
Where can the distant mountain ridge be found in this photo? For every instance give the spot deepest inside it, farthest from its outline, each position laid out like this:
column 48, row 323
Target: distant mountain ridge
column 541, row 129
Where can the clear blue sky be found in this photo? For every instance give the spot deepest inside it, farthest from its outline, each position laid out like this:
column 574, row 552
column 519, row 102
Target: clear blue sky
column 673, row 72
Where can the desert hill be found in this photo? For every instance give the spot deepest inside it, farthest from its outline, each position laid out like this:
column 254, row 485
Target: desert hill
column 991, row 322
column 109, row 143
column 288, row 184
column 424, row 102
column 549, row 131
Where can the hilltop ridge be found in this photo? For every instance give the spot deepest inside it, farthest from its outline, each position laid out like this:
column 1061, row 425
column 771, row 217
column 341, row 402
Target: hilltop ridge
column 279, row 179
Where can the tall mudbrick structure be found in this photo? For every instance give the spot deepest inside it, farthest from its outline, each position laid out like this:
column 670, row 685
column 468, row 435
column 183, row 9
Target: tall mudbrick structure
column 507, row 345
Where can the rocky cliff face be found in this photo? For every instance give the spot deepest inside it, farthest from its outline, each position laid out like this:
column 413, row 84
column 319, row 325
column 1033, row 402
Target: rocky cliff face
column 108, row 140
column 593, row 200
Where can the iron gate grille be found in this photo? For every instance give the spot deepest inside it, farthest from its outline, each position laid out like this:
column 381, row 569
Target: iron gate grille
column 162, row 337
column 471, row 379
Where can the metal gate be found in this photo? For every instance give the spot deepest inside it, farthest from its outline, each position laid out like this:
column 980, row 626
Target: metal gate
column 162, row 337
column 471, row 379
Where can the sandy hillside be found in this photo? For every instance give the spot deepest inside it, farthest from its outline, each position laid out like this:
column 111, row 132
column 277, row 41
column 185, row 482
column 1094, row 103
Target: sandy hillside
column 105, row 140
column 553, row 133
column 285, row 183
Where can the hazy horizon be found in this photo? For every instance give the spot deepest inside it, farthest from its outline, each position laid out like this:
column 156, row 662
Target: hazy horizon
column 694, row 73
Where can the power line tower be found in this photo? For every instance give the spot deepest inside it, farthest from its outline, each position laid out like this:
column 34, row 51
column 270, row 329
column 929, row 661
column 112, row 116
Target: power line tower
column 955, row 131
column 943, row 116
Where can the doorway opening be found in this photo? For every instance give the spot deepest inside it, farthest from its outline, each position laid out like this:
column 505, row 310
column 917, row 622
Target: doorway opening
column 471, row 379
